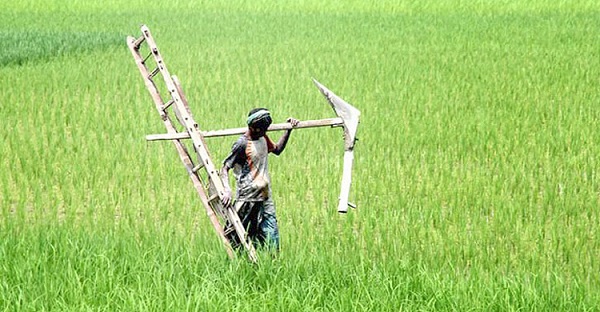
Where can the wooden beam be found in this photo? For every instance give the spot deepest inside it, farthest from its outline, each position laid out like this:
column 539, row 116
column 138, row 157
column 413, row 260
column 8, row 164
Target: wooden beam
column 333, row 122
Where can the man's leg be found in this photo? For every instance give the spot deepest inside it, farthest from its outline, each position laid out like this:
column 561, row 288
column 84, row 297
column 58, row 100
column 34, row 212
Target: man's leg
column 268, row 228
column 250, row 218
column 248, row 213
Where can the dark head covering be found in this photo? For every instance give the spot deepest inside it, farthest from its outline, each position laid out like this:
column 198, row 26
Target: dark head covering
column 259, row 118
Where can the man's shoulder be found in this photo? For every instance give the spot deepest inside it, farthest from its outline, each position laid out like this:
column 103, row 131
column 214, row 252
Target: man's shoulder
column 242, row 139
column 240, row 143
column 238, row 151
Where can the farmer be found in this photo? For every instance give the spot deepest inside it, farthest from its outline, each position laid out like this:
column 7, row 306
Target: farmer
column 248, row 158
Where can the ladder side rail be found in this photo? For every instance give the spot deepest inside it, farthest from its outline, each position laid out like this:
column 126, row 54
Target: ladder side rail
column 154, row 93
column 181, row 150
column 198, row 141
column 188, row 122
column 215, row 183
column 199, row 186
column 184, row 101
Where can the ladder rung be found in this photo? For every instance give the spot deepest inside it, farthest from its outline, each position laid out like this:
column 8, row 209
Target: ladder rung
column 229, row 230
column 198, row 167
column 146, row 58
column 138, row 42
column 154, row 72
column 213, row 197
column 166, row 105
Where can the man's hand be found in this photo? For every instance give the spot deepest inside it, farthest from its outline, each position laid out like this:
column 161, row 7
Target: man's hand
column 280, row 146
column 224, row 174
column 293, row 121
column 226, row 198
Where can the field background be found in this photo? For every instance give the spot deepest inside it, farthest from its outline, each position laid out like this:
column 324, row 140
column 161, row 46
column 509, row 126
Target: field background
column 476, row 174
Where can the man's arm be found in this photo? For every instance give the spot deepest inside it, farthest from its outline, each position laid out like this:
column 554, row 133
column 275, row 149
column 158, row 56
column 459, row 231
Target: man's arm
column 235, row 157
column 224, row 173
column 280, row 146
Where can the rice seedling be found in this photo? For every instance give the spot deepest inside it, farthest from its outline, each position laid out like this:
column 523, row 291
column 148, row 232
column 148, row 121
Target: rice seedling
column 476, row 175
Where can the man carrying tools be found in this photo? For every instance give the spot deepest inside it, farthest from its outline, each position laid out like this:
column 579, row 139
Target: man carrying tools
column 253, row 189
column 249, row 160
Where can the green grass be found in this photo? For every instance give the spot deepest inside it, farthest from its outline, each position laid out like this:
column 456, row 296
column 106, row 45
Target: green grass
column 476, row 173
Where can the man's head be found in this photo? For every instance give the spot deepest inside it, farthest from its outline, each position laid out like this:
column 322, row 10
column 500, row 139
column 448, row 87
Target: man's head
column 259, row 120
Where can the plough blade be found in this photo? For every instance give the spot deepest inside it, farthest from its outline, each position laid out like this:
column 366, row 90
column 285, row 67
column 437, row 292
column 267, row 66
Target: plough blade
column 347, row 112
column 350, row 116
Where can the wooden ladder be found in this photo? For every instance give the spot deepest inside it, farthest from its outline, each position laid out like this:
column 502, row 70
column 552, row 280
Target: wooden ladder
column 208, row 184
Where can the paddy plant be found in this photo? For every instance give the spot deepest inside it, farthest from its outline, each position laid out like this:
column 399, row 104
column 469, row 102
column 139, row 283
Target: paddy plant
column 29, row 46
column 475, row 176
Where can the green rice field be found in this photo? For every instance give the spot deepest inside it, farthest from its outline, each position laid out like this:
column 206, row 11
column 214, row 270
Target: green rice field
column 476, row 173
